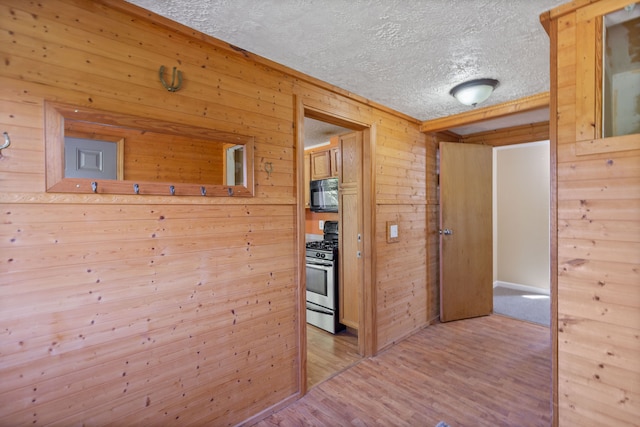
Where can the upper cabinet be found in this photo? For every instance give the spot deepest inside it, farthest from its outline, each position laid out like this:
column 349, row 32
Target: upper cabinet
column 320, row 164
column 325, row 161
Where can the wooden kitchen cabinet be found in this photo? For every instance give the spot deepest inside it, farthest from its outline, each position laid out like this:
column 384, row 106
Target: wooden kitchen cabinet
column 335, row 162
column 325, row 162
column 351, row 224
column 320, row 164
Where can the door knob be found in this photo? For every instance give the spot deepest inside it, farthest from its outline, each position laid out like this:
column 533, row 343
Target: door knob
column 446, row 232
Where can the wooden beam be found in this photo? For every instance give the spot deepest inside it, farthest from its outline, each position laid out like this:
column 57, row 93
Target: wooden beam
column 530, row 103
column 509, row 136
column 545, row 21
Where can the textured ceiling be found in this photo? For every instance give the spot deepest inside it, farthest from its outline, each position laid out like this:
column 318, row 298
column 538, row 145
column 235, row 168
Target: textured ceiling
column 404, row 54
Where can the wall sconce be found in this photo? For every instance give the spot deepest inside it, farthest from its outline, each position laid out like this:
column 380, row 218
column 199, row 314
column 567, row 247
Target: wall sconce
column 474, row 92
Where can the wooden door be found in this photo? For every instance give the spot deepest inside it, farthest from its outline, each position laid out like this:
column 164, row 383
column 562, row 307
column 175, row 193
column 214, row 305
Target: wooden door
column 351, row 229
column 466, row 231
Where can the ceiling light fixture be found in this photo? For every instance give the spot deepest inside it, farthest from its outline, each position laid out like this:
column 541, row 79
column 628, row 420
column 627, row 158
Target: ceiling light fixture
column 474, row 92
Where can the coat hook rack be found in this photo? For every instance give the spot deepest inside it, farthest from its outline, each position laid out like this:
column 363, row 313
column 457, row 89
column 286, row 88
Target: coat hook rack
column 7, row 142
column 171, row 87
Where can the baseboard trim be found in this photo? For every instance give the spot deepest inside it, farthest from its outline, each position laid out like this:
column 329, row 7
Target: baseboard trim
column 524, row 288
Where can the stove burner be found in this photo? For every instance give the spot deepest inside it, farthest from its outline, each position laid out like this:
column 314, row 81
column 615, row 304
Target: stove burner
column 324, row 245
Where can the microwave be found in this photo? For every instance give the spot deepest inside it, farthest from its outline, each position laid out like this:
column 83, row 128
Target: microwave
column 323, row 196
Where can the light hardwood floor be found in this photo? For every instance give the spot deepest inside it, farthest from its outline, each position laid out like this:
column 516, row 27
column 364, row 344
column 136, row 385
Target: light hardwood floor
column 329, row 354
column 487, row 371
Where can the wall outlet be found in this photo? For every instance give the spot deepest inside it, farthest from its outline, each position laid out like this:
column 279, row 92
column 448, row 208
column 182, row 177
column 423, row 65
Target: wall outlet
column 321, row 225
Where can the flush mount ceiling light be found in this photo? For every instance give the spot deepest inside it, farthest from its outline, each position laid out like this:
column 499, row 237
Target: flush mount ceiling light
column 474, row 92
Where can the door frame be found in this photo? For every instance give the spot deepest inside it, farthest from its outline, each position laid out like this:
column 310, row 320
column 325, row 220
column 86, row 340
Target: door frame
column 367, row 324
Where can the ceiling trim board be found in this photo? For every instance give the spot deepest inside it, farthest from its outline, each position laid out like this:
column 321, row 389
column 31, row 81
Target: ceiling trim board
column 566, row 8
column 545, row 21
column 510, row 136
column 530, row 103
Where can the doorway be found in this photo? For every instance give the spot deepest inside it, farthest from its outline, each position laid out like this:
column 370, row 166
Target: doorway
column 324, row 354
column 521, row 224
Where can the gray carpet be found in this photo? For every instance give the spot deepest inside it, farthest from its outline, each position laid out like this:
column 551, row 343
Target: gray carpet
column 522, row 305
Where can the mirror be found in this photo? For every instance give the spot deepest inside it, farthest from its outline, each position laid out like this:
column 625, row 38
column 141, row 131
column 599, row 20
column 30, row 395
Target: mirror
column 90, row 151
column 621, row 63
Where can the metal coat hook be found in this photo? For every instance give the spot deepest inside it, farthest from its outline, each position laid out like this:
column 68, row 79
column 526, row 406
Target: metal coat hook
column 94, row 187
column 136, row 188
column 172, row 189
column 172, row 87
column 203, row 191
column 230, row 191
column 7, row 142
column 268, row 168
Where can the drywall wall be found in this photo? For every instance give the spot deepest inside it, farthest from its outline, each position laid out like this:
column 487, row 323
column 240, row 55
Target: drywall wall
column 521, row 214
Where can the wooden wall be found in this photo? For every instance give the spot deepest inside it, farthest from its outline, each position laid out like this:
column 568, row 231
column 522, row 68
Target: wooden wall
column 433, row 227
column 400, row 194
column 172, row 310
column 598, row 233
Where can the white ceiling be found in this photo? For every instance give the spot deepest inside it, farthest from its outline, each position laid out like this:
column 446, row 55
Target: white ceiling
column 404, row 54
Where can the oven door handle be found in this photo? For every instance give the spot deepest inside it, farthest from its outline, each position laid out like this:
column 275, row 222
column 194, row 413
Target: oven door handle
column 320, row 310
column 321, row 265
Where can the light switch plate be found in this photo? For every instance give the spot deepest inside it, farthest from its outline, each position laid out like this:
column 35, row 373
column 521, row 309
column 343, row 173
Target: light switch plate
column 393, row 233
column 321, row 225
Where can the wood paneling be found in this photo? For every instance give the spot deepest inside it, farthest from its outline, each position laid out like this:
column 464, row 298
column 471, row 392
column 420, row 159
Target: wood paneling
column 402, row 297
column 598, row 234
column 433, row 225
column 174, row 310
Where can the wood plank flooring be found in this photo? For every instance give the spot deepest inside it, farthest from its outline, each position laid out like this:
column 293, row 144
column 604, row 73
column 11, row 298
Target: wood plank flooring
column 329, row 354
column 487, row 371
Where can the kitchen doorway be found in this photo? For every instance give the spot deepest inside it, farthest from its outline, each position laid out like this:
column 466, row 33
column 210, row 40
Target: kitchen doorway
column 324, row 354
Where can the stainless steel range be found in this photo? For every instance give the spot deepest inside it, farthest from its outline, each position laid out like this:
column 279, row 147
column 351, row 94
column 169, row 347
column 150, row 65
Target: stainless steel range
column 322, row 280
